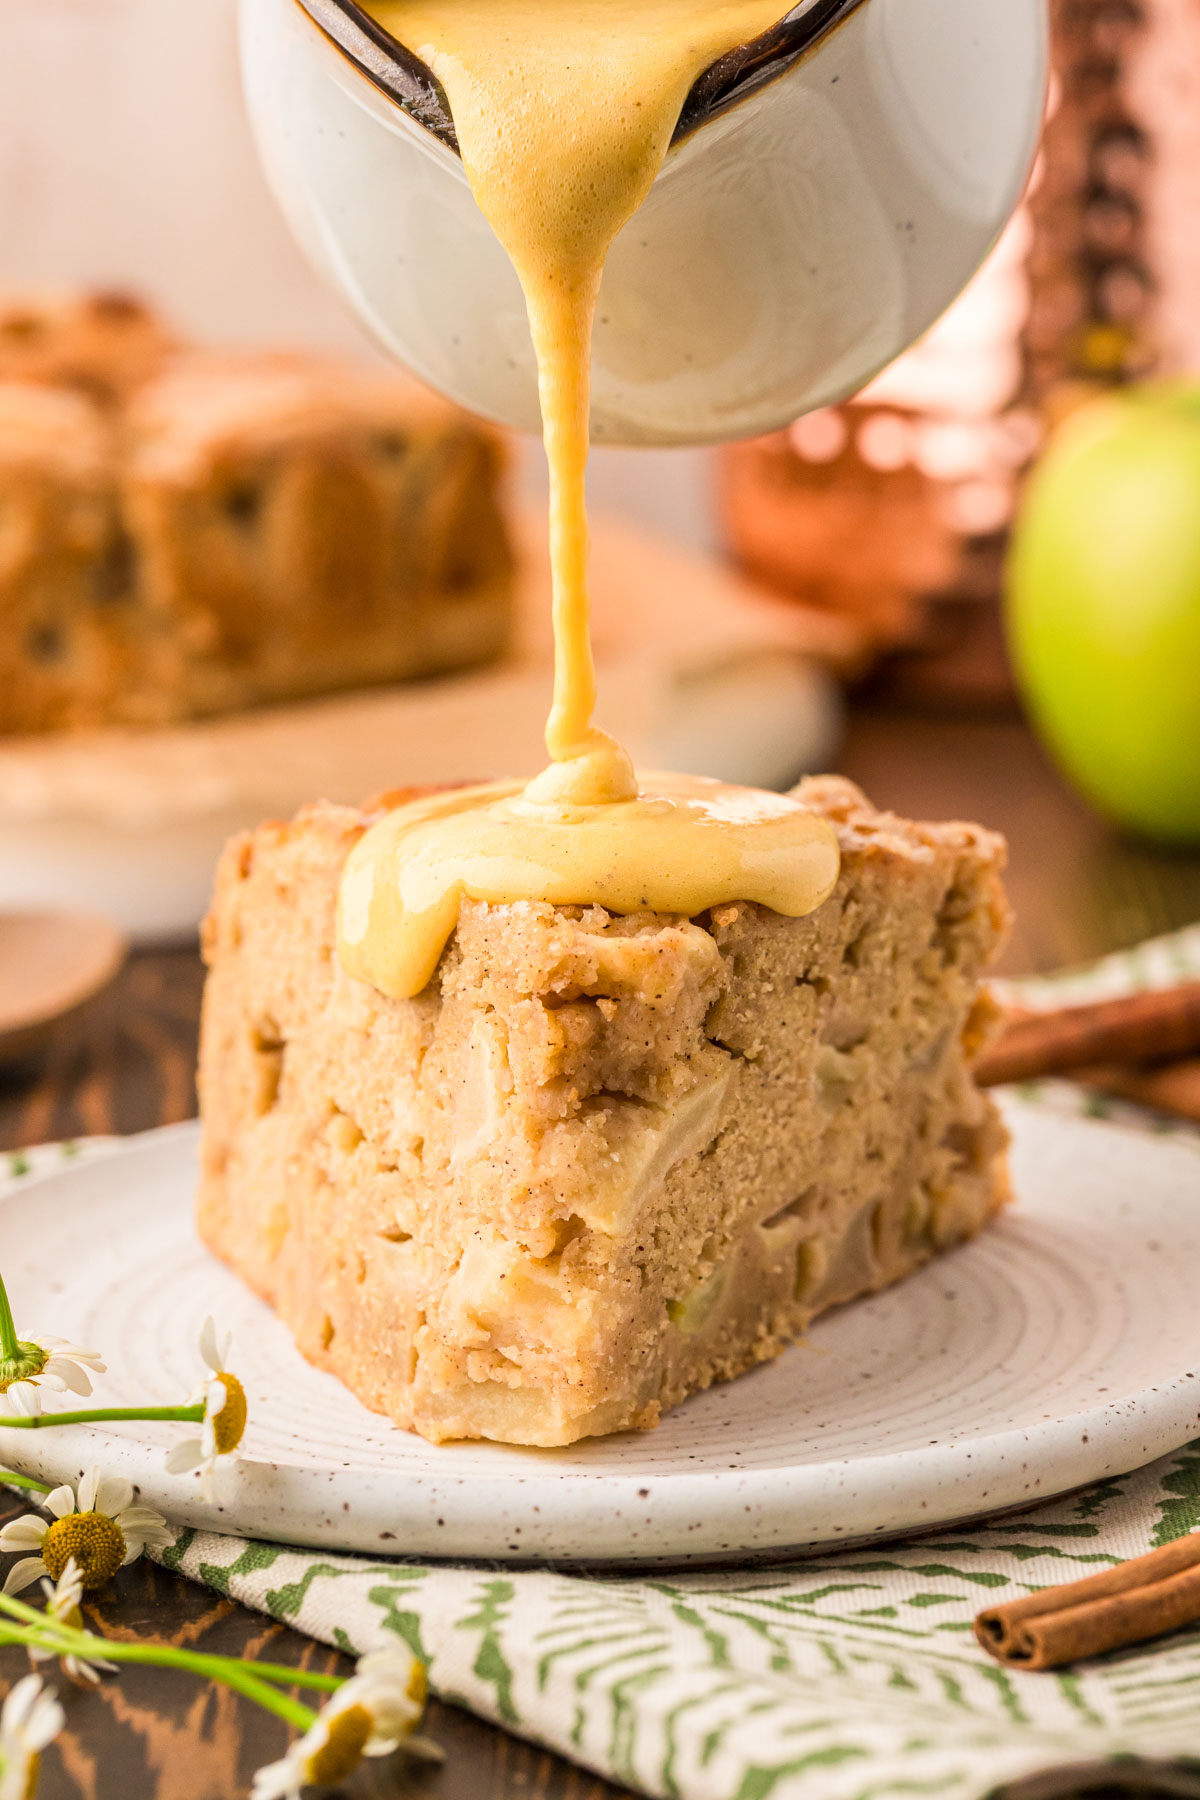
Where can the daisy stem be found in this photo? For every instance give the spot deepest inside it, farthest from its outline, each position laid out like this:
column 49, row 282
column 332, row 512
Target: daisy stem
column 192, row 1415
column 8, row 1331
column 50, row 1634
column 10, row 1478
column 286, row 1676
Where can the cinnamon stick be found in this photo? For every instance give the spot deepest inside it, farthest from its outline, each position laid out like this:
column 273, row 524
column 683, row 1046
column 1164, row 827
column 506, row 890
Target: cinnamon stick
column 1137, row 1600
column 1135, row 1028
column 1172, row 1087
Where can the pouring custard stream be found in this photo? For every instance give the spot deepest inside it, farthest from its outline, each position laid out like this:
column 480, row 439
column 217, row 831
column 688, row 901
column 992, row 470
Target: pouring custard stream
column 564, row 111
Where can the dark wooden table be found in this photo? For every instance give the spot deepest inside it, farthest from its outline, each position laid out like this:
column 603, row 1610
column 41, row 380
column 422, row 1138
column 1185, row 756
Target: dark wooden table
column 1079, row 890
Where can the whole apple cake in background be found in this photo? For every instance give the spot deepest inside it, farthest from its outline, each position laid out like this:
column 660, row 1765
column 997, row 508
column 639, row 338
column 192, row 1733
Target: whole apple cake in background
column 600, row 1162
column 186, row 534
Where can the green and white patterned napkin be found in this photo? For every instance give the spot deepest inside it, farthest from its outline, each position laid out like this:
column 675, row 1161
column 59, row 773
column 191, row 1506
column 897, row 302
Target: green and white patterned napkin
column 845, row 1678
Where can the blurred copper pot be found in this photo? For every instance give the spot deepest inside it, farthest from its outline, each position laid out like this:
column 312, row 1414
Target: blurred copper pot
column 892, row 510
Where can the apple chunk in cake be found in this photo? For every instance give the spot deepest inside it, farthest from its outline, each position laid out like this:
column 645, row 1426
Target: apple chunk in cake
column 601, row 1162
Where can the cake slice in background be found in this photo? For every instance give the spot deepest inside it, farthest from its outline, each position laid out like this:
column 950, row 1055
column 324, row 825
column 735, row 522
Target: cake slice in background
column 184, row 535
column 300, row 526
column 601, row 1162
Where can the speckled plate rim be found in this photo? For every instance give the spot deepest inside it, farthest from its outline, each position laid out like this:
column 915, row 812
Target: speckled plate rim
column 523, row 1506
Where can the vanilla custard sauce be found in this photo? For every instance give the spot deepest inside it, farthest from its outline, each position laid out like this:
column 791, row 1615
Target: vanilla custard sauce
column 564, row 111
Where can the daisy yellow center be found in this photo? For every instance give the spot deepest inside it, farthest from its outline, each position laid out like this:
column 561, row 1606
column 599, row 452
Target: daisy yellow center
column 418, row 1684
column 95, row 1541
column 26, row 1365
column 342, row 1750
column 229, row 1424
column 31, row 1775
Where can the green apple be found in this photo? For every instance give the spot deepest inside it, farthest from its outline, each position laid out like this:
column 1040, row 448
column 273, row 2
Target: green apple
column 1104, row 605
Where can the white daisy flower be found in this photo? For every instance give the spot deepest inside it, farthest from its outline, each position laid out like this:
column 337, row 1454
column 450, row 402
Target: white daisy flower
column 224, row 1400
column 372, row 1714
column 46, row 1362
column 63, row 1599
column 99, row 1524
column 29, row 1719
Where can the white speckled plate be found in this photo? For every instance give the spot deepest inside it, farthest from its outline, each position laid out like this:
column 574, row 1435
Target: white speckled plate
column 1061, row 1347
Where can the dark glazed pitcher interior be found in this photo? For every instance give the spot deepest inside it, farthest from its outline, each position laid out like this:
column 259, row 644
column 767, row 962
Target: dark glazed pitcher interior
column 404, row 78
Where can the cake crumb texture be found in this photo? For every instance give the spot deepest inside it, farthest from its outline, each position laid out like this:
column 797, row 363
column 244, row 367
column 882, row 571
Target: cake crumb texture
column 600, row 1162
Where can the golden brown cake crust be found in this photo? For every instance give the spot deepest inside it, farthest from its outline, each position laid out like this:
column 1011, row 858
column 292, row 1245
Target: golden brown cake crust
column 264, row 528
column 600, row 1162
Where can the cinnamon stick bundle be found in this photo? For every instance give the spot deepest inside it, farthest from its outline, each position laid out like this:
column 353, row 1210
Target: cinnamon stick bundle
column 1138, row 1600
column 1154, row 1026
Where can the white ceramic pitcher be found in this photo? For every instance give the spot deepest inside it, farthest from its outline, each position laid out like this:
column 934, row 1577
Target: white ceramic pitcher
column 832, row 188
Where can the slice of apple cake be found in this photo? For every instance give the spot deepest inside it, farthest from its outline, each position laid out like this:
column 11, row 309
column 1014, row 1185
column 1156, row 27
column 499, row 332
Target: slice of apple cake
column 601, row 1162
